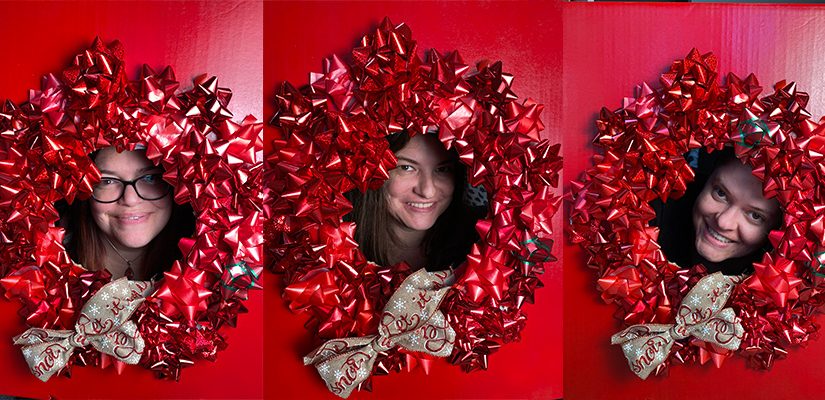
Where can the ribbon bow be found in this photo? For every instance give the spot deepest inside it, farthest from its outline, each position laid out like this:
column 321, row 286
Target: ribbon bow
column 646, row 346
column 103, row 323
column 411, row 320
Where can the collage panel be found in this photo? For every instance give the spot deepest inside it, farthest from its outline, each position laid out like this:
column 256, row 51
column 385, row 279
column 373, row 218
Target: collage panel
column 104, row 146
column 649, row 82
column 366, row 88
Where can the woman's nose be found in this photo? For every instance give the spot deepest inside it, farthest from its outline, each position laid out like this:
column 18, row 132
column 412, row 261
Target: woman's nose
column 425, row 186
column 726, row 218
column 130, row 195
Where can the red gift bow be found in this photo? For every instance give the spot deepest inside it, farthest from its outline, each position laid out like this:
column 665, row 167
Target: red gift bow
column 644, row 142
column 183, row 290
column 213, row 163
column 334, row 141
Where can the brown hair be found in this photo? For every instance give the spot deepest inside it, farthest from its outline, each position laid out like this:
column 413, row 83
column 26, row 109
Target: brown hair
column 87, row 246
column 447, row 243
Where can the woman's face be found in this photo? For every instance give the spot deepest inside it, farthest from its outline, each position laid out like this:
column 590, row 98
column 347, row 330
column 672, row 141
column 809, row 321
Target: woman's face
column 421, row 187
column 130, row 222
column 731, row 216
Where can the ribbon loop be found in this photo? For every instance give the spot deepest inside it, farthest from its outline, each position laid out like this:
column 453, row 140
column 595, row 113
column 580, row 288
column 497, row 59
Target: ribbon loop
column 678, row 332
column 78, row 340
column 701, row 315
column 410, row 320
column 103, row 322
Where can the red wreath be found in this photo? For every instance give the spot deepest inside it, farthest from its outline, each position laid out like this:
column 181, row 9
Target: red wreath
column 210, row 161
column 643, row 145
column 335, row 142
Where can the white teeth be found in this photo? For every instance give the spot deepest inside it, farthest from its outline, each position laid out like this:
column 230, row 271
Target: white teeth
column 718, row 236
column 421, row 205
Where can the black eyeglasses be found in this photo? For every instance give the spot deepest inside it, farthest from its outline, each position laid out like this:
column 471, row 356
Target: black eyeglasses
column 148, row 187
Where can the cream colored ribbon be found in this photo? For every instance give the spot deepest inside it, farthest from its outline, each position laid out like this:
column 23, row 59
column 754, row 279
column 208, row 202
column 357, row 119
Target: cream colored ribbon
column 103, row 322
column 646, row 346
column 411, row 320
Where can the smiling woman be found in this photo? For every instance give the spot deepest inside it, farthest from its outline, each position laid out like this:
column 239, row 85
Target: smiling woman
column 417, row 216
column 725, row 214
column 131, row 226
column 731, row 217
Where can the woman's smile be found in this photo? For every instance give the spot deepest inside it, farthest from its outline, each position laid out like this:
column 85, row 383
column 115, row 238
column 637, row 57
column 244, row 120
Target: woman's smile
column 713, row 237
column 132, row 218
column 130, row 222
column 731, row 216
column 421, row 207
column 421, row 187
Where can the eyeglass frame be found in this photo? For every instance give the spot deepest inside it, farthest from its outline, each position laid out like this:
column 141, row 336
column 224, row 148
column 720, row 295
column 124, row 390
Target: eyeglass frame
column 133, row 184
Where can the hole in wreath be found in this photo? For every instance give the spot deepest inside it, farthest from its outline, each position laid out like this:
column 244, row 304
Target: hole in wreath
column 131, row 225
column 425, row 213
column 723, row 219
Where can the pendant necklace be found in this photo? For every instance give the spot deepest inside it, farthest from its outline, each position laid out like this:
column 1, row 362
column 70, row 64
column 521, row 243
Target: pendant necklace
column 128, row 261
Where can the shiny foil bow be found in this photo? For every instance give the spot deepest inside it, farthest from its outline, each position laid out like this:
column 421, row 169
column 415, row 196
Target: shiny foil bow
column 103, row 323
column 410, row 320
column 334, row 141
column 644, row 143
column 701, row 315
column 213, row 163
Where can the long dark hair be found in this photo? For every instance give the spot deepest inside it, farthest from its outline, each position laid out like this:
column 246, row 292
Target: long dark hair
column 446, row 244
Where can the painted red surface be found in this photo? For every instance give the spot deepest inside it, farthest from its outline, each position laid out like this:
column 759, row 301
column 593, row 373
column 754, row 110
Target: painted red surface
column 218, row 39
column 610, row 48
column 526, row 37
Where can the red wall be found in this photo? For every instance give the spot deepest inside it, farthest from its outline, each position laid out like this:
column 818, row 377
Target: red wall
column 527, row 38
column 610, row 48
column 219, row 39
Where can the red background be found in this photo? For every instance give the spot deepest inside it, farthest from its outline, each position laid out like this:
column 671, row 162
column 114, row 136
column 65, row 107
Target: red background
column 527, row 38
column 219, row 39
column 610, row 48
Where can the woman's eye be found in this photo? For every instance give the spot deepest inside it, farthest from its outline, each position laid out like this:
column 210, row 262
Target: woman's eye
column 108, row 182
column 445, row 169
column 406, row 168
column 756, row 217
column 153, row 179
column 719, row 193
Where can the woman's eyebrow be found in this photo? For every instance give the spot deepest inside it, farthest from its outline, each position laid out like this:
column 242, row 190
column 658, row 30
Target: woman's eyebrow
column 733, row 197
column 759, row 209
column 149, row 168
column 140, row 171
column 411, row 161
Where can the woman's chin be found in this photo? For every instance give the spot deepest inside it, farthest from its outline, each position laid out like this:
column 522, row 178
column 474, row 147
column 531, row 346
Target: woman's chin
column 132, row 243
column 421, row 226
column 710, row 253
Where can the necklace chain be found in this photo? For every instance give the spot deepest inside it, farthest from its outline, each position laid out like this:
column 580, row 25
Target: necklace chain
column 128, row 261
